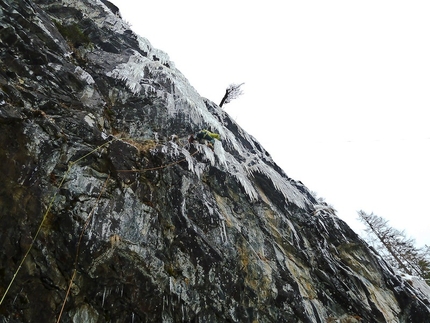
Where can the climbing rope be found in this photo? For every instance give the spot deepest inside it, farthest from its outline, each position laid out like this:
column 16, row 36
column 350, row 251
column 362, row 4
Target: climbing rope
column 79, row 245
column 90, row 216
column 71, row 164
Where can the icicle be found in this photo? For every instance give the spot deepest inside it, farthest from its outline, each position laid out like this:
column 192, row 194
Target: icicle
column 163, row 304
column 323, row 225
column 146, row 46
column 208, row 153
column 84, row 76
column 281, row 183
column 225, row 232
column 189, row 159
column 14, row 300
column 131, row 72
column 171, row 285
column 175, row 149
column 199, row 169
column 224, row 238
column 220, row 153
column 104, row 296
column 247, row 185
column 221, row 235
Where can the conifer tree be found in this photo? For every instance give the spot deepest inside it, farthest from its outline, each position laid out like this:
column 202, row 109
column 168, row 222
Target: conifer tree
column 398, row 250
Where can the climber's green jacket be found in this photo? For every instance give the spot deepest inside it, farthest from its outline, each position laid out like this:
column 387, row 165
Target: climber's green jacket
column 207, row 135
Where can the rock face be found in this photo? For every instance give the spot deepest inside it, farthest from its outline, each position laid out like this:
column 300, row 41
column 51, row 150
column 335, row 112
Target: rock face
column 108, row 214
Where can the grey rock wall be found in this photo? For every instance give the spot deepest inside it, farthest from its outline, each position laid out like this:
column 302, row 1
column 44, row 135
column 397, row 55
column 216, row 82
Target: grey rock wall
column 147, row 228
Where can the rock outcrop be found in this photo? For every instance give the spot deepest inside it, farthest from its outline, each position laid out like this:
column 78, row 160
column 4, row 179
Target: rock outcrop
column 108, row 214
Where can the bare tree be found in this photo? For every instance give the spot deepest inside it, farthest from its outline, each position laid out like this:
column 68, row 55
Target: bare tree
column 398, row 250
column 232, row 92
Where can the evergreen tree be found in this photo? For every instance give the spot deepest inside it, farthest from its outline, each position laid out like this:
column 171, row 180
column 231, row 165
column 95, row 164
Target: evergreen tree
column 424, row 262
column 398, row 250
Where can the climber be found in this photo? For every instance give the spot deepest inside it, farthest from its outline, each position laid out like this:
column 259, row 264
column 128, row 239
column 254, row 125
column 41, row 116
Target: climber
column 205, row 135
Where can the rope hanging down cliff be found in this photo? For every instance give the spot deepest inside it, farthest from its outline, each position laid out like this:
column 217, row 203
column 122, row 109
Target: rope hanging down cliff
column 51, row 203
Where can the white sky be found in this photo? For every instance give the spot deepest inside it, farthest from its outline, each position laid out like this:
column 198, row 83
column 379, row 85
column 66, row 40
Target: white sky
column 338, row 92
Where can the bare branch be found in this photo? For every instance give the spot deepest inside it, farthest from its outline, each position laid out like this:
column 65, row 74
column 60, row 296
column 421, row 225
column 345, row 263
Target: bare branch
column 232, row 92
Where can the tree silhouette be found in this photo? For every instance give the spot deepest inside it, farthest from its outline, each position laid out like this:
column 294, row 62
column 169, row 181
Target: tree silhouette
column 398, row 250
column 232, row 92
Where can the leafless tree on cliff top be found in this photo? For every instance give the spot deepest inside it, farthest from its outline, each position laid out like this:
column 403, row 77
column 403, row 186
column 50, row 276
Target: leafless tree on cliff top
column 232, row 92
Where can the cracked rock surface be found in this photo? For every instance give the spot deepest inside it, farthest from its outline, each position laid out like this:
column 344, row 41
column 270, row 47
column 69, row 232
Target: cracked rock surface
column 111, row 212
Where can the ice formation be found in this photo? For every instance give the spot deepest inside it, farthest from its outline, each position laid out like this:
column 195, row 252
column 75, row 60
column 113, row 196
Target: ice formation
column 228, row 154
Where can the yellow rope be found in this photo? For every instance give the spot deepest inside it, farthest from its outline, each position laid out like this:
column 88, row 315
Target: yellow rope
column 71, row 164
column 88, row 220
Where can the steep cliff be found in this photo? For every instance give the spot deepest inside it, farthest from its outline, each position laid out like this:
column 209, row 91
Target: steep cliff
column 108, row 214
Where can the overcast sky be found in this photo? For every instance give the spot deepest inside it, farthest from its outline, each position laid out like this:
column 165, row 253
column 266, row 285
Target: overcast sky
column 338, row 92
